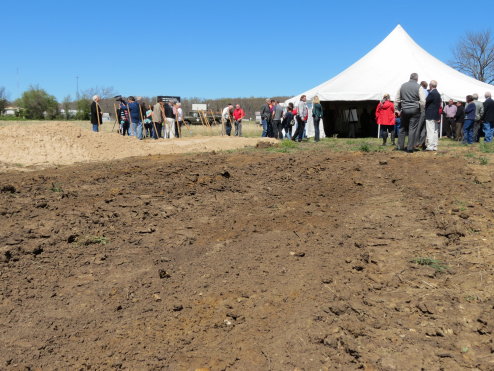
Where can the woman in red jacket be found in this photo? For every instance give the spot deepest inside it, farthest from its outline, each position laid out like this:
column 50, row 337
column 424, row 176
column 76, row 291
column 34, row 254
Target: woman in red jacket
column 385, row 116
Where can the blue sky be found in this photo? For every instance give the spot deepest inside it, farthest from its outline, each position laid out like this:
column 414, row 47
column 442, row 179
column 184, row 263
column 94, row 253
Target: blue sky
column 211, row 49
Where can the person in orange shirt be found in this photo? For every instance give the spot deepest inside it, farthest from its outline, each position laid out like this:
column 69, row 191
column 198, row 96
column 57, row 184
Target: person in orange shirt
column 238, row 115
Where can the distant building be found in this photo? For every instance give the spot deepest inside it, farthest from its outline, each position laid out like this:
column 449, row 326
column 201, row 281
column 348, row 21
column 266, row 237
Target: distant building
column 11, row 111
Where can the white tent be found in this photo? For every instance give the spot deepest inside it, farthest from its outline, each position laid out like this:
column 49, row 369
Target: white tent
column 389, row 65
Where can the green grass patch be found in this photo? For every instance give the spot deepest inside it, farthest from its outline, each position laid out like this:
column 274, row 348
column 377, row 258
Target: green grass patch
column 486, row 147
column 483, row 160
column 285, row 146
column 433, row 263
column 56, row 187
column 90, row 240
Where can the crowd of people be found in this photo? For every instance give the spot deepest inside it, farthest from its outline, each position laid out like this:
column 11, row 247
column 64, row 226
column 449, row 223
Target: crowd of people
column 416, row 114
column 278, row 122
column 136, row 118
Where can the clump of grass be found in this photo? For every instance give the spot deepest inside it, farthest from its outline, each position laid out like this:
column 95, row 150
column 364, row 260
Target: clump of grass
column 483, row 160
column 285, row 146
column 433, row 263
column 90, row 240
column 486, row 147
column 55, row 187
column 365, row 147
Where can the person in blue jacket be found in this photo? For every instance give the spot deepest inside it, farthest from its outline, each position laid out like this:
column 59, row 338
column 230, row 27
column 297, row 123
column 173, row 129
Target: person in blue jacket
column 469, row 121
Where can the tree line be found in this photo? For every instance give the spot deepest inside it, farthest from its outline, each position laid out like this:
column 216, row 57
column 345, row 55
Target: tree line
column 473, row 55
column 37, row 104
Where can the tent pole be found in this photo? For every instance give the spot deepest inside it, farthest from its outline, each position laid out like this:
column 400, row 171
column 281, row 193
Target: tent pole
column 378, row 131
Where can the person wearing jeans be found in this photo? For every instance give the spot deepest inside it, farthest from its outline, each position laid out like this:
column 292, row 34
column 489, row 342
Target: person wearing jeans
column 469, row 121
column 488, row 117
column 317, row 116
column 302, row 114
column 238, row 115
column 135, row 118
column 265, row 117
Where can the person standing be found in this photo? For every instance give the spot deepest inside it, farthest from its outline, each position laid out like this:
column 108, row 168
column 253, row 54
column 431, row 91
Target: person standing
column 123, row 117
column 238, row 115
column 469, row 121
column 277, row 116
column 169, row 121
column 226, row 117
column 432, row 116
column 302, row 115
column 265, row 117
column 180, row 119
column 449, row 119
column 148, row 122
column 459, row 119
column 479, row 112
column 385, row 116
column 317, row 114
column 410, row 100
column 421, row 130
column 488, row 117
column 288, row 121
column 135, row 117
column 96, row 114
column 158, row 118
column 143, row 107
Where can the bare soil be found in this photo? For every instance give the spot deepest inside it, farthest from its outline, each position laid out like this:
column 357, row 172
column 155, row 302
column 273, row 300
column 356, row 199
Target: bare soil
column 41, row 145
column 252, row 260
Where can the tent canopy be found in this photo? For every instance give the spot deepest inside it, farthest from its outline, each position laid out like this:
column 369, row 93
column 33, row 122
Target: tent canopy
column 389, row 65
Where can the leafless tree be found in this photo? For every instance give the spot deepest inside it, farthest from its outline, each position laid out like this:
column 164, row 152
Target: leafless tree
column 474, row 55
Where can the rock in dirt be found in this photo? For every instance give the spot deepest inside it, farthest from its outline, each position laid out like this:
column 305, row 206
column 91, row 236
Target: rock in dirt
column 177, row 308
column 264, row 145
column 299, row 254
column 5, row 254
column 225, row 174
column 8, row 189
column 163, row 274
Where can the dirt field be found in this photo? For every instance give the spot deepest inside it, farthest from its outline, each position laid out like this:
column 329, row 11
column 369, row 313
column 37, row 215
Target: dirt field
column 286, row 258
column 39, row 145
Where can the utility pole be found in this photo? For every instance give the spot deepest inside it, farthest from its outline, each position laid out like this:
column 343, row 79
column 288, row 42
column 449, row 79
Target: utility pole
column 77, row 87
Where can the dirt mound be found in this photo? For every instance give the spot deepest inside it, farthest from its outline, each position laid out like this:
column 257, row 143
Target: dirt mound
column 254, row 261
column 62, row 143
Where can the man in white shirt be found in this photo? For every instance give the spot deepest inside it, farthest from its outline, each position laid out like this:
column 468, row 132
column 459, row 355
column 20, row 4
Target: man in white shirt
column 226, row 117
column 302, row 114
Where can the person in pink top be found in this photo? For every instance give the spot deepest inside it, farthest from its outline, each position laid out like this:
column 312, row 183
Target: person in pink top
column 385, row 116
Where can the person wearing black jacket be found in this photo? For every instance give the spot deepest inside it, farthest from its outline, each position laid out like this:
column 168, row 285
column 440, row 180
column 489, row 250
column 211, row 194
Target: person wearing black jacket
column 459, row 119
column 432, row 116
column 488, row 117
column 96, row 114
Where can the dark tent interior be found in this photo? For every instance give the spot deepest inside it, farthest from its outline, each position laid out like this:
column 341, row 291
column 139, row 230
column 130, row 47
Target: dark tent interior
column 350, row 119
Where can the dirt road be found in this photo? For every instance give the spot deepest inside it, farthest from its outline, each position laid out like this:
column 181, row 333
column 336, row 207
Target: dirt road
column 249, row 261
